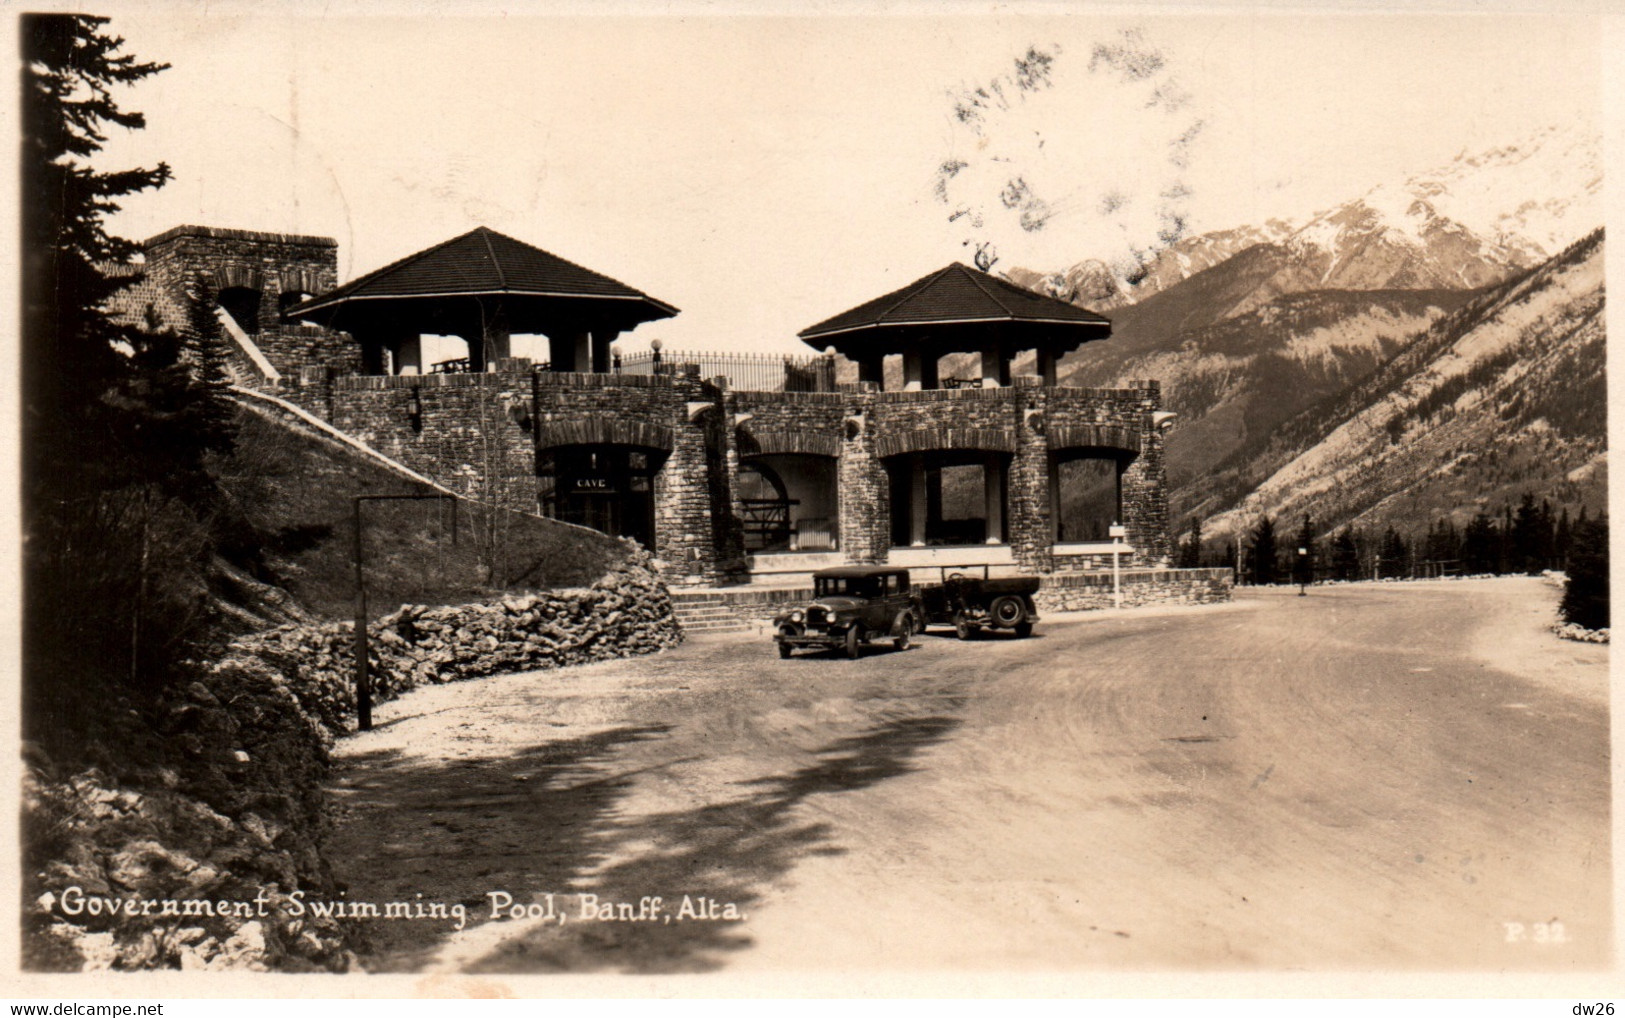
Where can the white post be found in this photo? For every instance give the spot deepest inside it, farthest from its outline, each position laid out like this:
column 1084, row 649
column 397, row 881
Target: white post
column 1118, row 532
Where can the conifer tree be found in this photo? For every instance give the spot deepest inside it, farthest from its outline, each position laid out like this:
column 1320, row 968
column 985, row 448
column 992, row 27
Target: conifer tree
column 1346, row 555
column 1585, row 595
column 1190, row 552
column 1262, row 552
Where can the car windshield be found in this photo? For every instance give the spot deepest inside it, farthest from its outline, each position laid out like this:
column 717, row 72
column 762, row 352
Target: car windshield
column 845, row 586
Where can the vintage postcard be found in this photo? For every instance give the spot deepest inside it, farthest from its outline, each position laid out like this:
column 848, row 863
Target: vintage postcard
column 541, row 500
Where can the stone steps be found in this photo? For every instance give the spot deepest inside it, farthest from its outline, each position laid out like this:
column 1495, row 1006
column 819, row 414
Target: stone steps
column 706, row 613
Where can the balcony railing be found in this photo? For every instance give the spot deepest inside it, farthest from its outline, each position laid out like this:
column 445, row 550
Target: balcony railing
column 754, row 372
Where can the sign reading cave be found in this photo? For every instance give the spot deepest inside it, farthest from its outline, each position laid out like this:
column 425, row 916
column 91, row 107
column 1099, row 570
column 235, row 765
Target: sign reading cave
column 591, row 486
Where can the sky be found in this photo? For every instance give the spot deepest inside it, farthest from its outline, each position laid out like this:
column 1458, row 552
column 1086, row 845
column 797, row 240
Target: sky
column 764, row 173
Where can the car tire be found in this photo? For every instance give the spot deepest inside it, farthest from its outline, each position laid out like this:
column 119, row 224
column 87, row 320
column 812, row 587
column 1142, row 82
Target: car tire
column 784, row 650
column 854, row 642
column 1007, row 612
column 904, row 631
column 1023, row 630
column 962, row 626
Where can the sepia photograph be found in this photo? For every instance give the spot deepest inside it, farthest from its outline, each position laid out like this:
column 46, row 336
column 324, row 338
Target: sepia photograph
column 739, row 503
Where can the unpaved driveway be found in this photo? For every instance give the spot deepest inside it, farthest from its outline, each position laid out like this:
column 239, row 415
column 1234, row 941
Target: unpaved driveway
column 1342, row 780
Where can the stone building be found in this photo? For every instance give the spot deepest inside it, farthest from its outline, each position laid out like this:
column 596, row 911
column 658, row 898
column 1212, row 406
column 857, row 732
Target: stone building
column 952, row 444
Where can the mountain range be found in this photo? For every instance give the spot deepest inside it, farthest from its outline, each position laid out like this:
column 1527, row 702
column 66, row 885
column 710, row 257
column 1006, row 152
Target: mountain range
column 1465, row 302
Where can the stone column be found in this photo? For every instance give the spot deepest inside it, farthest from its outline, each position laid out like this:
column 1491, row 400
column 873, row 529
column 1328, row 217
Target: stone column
column 1143, row 491
column 863, row 491
column 561, row 349
column 1046, row 365
column 601, row 340
column 495, row 342
column 409, row 355
column 913, row 369
column 1030, row 509
column 872, row 368
column 995, row 370
column 993, row 496
column 581, row 357
column 690, row 539
column 929, row 365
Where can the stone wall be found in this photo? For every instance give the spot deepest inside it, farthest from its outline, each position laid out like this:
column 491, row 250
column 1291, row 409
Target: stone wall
column 625, row 614
column 469, row 432
column 270, row 264
column 1091, row 591
column 1058, row 592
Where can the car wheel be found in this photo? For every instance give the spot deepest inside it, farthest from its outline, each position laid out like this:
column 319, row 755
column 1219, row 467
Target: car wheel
column 1007, row 611
column 853, row 642
column 904, row 631
column 784, row 650
column 962, row 626
column 1024, row 630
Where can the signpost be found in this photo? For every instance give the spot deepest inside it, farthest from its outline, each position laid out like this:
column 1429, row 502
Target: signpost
column 1117, row 532
column 363, row 680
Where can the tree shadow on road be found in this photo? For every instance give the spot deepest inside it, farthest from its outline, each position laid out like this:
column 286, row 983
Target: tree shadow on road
column 454, row 830
column 729, row 852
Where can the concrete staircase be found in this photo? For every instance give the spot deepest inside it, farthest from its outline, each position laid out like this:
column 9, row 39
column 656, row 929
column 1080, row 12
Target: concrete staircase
column 707, row 613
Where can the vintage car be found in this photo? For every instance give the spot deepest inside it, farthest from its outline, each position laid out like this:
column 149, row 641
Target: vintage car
column 969, row 600
column 851, row 606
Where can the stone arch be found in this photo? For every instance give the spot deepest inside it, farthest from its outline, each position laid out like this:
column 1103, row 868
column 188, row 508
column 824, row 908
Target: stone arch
column 232, row 274
column 1094, row 436
column 603, row 431
column 778, row 441
column 300, row 279
column 898, row 443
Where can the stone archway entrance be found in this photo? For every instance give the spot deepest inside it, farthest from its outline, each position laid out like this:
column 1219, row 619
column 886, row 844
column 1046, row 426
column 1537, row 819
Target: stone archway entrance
column 1087, row 492
column 609, row 488
column 942, row 497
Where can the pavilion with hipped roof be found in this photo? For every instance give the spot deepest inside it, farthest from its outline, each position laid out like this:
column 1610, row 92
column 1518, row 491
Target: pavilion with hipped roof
column 485, row 287
column 957, row 309
column 728, row 467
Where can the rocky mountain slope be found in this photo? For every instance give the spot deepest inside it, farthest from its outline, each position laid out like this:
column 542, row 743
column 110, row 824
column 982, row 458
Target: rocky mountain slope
column 1250, row 328
column 1504, row 395
column 1465, row 224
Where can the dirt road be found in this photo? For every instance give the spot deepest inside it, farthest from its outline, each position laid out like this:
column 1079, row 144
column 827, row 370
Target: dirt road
column 1370, row 776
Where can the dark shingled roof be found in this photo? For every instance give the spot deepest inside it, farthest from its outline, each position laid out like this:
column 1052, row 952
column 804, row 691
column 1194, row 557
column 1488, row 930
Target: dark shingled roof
column 955, row 295
column 484, row 262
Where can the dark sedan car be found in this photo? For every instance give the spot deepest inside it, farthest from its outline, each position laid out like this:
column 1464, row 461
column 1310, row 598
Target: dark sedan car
column 851, row 606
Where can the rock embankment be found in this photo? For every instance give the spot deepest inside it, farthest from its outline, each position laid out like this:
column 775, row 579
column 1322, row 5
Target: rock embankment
column 627, row 613
column 202, row 857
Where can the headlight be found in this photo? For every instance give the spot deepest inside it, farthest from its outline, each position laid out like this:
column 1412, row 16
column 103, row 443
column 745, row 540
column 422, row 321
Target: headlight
column 796, row 616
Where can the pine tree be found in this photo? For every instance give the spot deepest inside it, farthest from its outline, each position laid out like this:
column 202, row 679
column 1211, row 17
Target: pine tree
column 76, row 378
column 1525, row 538
column 1393, row 554
column 1262, row 552
column 1585, row 595
column 118, row 418
column 1346, row 555
column 1190, row 552
column 1479, row 545
column 1560, row 541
